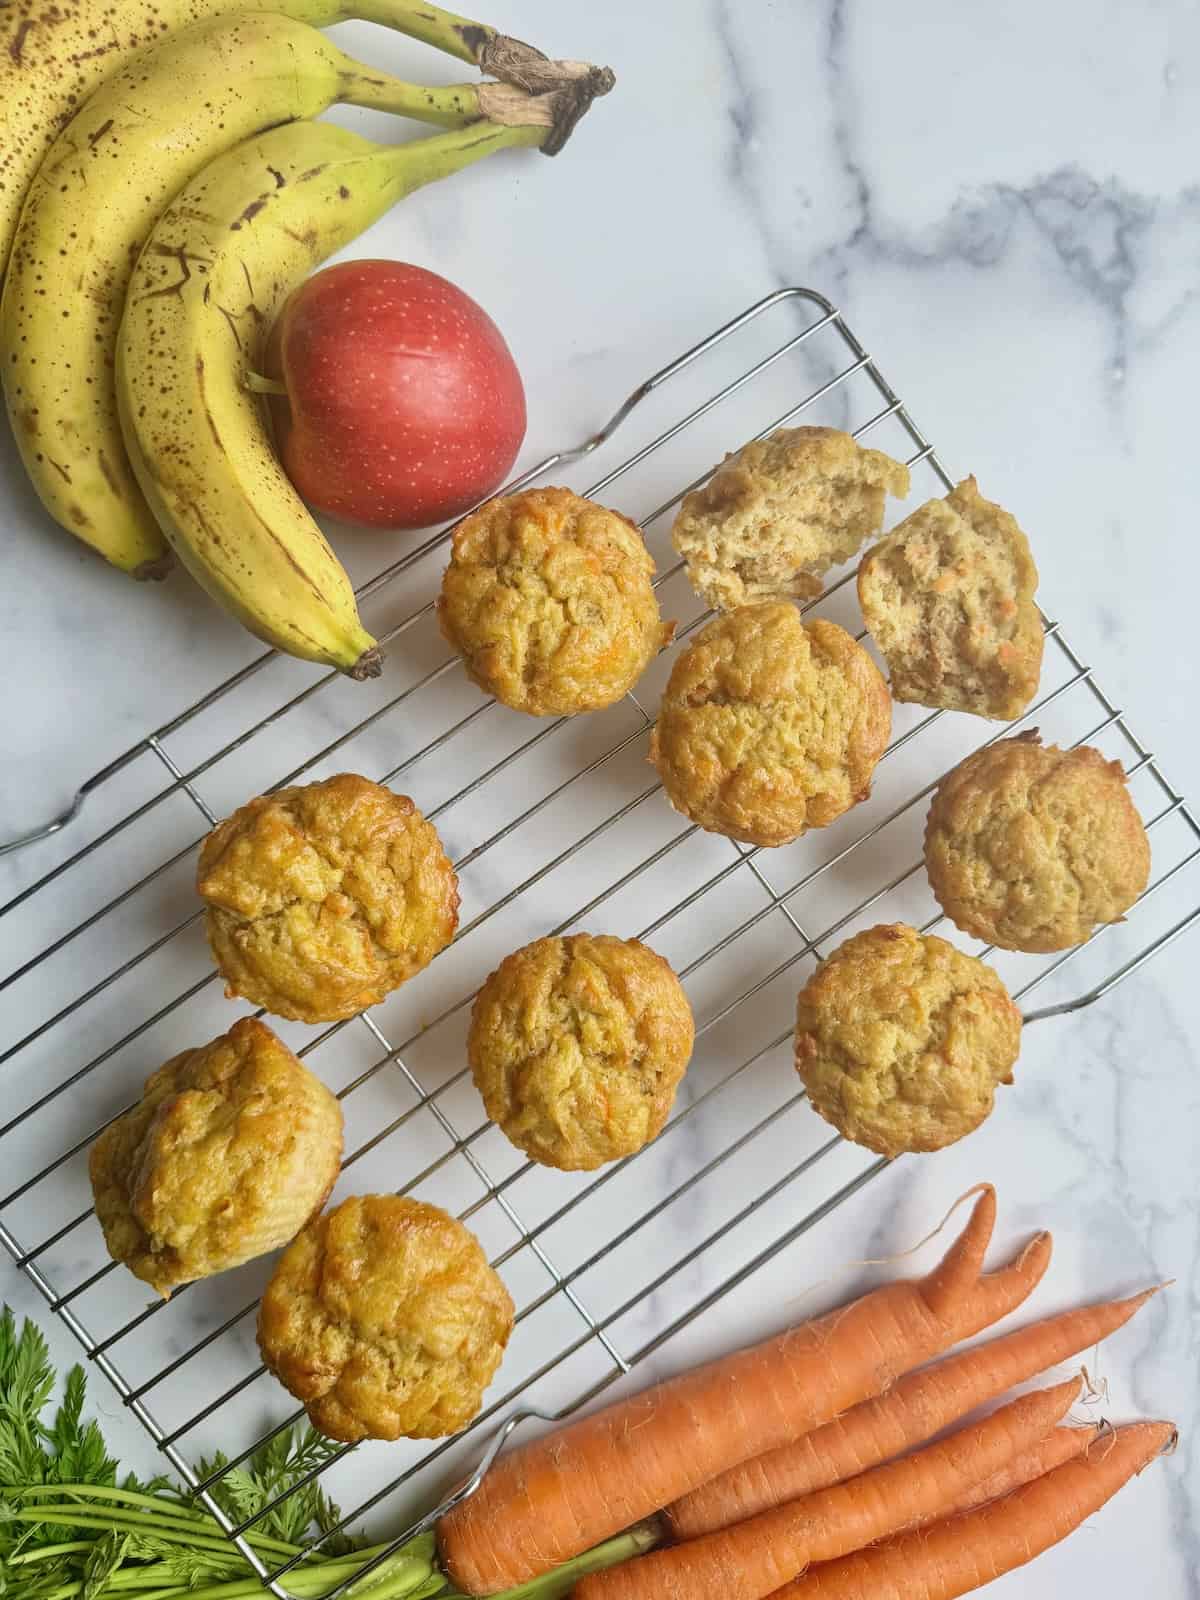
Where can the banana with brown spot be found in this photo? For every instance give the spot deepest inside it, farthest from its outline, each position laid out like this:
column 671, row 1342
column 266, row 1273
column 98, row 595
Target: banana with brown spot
column 52, row 56
column 215, row 272
column 143, row 134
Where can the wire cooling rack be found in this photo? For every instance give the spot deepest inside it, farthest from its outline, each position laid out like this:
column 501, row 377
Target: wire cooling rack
column 554, row 825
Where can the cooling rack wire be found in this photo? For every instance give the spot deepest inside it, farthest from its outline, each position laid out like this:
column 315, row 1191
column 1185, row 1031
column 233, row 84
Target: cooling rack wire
column 541, row 817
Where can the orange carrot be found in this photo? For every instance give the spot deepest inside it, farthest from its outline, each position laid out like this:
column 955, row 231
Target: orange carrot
column 549, row 1500
column 1059, row 1445
column 753, row 1559
column 963, row 1553
column 916, row 1408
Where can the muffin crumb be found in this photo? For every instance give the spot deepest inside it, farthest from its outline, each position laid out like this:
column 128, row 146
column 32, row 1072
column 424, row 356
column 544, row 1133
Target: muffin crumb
column 949, row 598
column 779, row 512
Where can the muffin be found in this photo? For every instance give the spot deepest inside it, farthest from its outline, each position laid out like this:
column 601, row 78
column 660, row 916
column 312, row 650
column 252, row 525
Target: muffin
column 577, row 1046
column 779, row 512
column 901, row 1040
column 323, row 899
column 770, row 726
column 948, row 597
column 384, row 1318
column 229, row 1152
column 548, row 599
column 1031, row 847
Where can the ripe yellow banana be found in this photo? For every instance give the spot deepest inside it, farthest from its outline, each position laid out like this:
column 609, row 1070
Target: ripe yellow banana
column 98, row 193
column 210, row 281
column 53, row 53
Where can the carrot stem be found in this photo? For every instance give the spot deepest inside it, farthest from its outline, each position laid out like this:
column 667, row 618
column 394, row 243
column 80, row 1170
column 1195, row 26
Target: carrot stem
column 554, row 1585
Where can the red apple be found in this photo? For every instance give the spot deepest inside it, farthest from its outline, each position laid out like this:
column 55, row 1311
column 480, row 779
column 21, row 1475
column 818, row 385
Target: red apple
column 404, row 405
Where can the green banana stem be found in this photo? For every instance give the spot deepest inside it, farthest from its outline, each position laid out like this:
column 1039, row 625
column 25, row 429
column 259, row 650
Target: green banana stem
column 517, row 66
column 444, row 30
column 440, row 156
column 451, row 107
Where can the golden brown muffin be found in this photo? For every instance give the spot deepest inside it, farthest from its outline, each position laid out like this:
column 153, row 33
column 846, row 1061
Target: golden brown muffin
column 901, row 1040
column 770, row 726
column 948, row 597
column 386, row 1320
column 548, row 599
column 577, row 1047
column 779, row 512
column 229, row 1152
column 1030, row 847
column 323, row 899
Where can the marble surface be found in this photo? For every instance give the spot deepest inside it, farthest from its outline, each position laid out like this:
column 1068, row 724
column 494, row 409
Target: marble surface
column 1003, row 202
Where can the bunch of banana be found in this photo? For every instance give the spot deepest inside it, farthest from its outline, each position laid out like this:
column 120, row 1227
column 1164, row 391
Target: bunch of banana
column 215, row 271
column 96, row 196
column 53, row 55
column 159, row 444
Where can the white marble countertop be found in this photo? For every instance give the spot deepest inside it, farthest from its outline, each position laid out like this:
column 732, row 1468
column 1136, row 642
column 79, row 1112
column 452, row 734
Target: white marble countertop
column 1003, row 202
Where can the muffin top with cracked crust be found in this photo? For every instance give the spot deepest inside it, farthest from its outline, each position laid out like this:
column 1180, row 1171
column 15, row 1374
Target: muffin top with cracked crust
column 232, row 1147
column 324, row 898
column 770, row 726
column 779, row 512
column 549, row 601
column 386, row 1320
column 1031, row 847
column 577, row 1046
column 901, row 1040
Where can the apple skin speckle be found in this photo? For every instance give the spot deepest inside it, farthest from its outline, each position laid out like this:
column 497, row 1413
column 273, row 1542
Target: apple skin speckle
column 404, row 405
